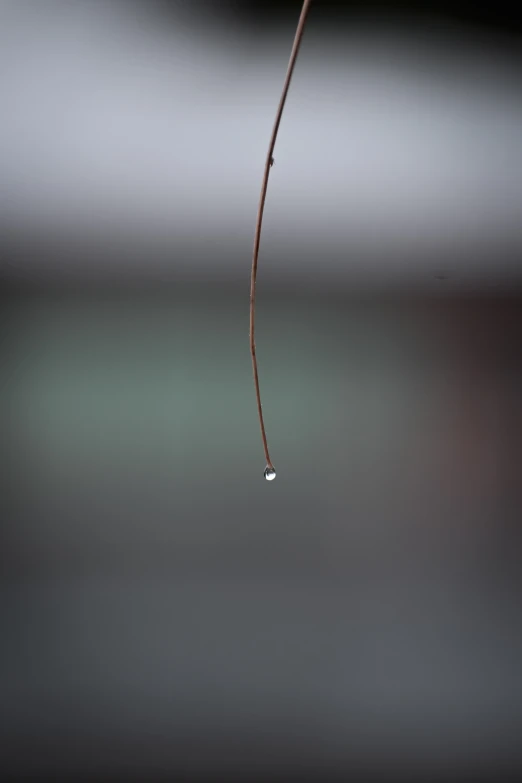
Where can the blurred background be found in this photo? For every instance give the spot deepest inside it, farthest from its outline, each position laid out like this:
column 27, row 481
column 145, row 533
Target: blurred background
column 165, row 613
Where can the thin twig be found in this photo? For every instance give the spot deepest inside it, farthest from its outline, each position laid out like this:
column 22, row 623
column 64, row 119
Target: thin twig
column 257, row 238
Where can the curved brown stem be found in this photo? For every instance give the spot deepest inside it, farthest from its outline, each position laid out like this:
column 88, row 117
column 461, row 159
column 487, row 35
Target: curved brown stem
column 257, row 238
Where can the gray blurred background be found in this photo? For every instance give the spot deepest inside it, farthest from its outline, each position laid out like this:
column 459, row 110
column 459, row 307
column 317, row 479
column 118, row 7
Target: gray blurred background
column 165, row 613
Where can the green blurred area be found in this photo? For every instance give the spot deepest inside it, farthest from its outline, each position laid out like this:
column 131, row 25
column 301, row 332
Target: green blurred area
column 131, row 427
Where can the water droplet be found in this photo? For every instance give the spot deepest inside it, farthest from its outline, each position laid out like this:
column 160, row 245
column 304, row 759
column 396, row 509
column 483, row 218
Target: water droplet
column 270, row 473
